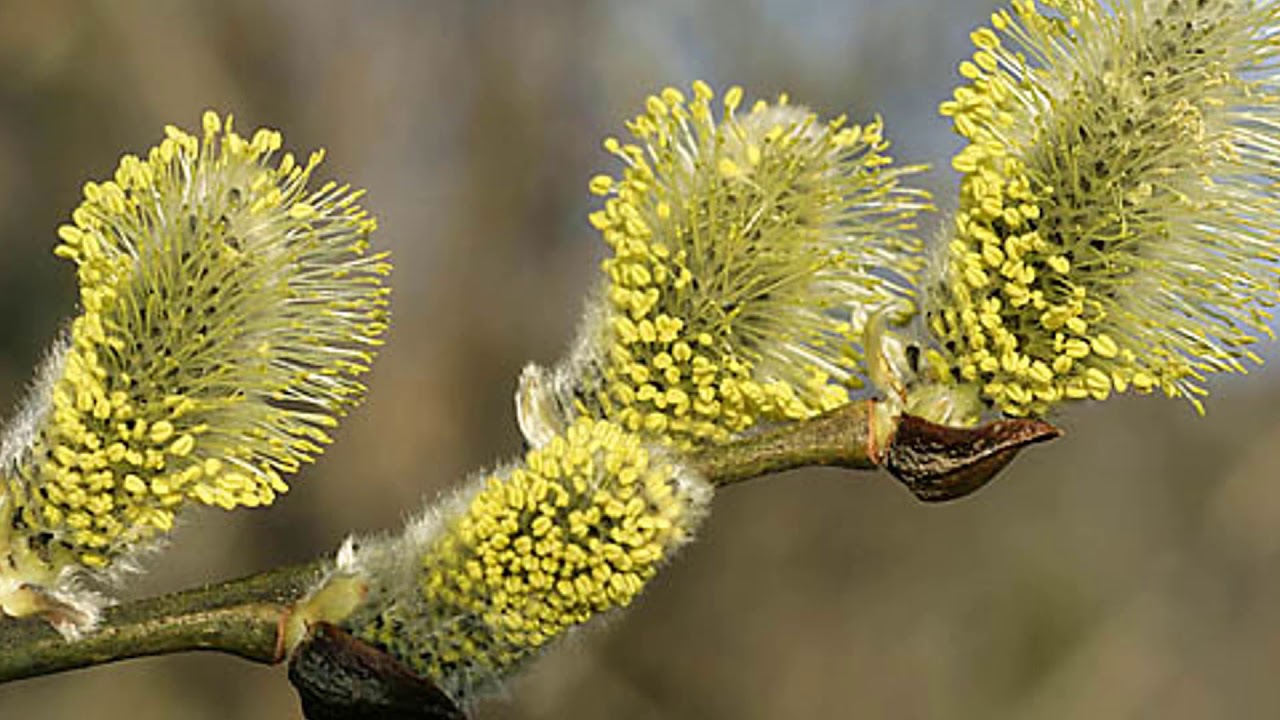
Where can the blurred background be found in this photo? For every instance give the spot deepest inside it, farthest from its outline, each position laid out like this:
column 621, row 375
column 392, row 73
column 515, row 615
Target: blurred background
column 1126, row 571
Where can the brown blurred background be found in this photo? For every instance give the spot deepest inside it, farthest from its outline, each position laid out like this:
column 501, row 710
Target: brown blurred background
column 1127, row 571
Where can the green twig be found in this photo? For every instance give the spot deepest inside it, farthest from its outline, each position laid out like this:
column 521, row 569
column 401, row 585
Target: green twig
column 240, row 617
column 843, row 437
column 246, row 617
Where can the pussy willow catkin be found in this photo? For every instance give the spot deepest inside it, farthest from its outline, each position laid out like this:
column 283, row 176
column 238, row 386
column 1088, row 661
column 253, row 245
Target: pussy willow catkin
column 483, row 581
column 748, row 250
column 226, row 312
column 1116, row 227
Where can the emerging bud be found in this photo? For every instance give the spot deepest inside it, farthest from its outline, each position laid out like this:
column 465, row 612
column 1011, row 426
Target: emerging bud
column 226, row 313
column 485, row 580
column 1117, row 219
column 747, row 252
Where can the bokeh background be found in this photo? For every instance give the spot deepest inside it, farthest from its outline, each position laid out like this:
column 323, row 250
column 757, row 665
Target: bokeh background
column 1127, row 571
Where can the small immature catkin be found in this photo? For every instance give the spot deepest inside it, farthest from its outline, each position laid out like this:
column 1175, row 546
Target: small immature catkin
column 482, row 582
column 1117, row 221
column 747, row 251
column 226, row 311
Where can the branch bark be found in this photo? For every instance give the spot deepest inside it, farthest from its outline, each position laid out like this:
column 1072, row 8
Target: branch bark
column 241, row 617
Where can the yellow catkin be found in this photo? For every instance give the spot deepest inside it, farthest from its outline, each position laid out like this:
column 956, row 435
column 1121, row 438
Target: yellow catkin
column 577, row 529
column 746, row 250
column 227, row 310
column 1118, row 158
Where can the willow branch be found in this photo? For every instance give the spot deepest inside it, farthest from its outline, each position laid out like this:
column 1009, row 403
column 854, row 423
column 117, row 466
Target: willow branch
column 241, row 617
column 246, row 617
column 843, row 437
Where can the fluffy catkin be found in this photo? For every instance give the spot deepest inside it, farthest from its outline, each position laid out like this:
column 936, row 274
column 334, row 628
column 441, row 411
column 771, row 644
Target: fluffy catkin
column 747, row 251
column 226, row 312
column 482, row 581
column 1116, row 226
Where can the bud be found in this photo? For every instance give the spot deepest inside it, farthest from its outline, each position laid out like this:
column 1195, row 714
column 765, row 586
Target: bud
column 483, row 581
